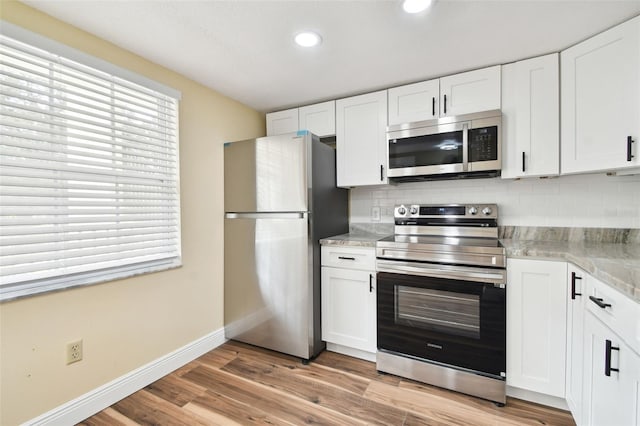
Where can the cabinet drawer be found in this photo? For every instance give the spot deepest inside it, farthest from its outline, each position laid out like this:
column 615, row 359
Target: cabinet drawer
column 618, row 312
column 363, row 258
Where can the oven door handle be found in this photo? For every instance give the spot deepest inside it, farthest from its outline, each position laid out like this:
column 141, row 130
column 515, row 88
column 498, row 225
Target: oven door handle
column 463, row 273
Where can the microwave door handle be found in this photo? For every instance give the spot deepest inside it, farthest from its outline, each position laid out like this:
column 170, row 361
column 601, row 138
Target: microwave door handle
column 465, row 147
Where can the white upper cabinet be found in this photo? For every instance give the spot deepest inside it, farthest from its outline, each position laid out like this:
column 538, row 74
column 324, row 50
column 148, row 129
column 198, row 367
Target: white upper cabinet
column 469, row 92
column 600, row 91
column 282, row 122
column 472, row 91
column 319, row 119
column 414, row 102
column 361, row 142
column 531, row 118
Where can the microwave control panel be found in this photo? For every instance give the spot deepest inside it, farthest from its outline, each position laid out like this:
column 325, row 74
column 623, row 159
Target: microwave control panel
column 483, row 144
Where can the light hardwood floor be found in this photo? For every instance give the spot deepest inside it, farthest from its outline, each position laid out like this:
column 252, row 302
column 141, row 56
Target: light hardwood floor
column 240, row 384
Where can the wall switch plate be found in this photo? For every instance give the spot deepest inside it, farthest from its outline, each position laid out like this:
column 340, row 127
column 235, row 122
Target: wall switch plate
column 375, row 214
column 74, row 351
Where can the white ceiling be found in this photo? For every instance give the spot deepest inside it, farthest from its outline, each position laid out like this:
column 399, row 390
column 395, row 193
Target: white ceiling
column 244, row 49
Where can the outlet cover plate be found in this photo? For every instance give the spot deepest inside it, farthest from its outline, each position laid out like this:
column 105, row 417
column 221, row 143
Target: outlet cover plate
column 74, row 351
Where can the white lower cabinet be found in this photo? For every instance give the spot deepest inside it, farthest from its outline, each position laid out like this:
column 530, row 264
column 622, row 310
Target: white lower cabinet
column 611, row 378
column 536, row 325
column 349, row 303
column 611, row 366
column 577, row 293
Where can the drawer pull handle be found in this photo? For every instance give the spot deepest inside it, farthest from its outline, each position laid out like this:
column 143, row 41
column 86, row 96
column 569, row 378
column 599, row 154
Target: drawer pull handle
column 346, row 258
column 574, row 277
column 598, row 301
column 433, row 106
column 607, row 358
column 629, row 142
column 370, row 283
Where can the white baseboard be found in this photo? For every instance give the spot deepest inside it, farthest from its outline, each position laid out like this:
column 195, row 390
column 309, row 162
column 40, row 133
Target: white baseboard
column 108, row 394
column 538, row 398
column 356, row 353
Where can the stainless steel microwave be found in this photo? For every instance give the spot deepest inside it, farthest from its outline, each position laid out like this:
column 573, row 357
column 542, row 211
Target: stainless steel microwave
column 464, row 146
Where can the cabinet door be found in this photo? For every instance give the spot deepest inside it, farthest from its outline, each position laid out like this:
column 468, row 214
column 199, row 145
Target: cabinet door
column 349, row 308
column 414, row 102
column 531, row 118
column 536, row 325
column 576, row 295
column 361, row 142
column 472, row 91
column 319, row 119
column 600, row 87
column 609, row 399
column 282, row 122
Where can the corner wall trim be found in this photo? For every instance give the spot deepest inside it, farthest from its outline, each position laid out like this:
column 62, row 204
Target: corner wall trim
column 106, row 395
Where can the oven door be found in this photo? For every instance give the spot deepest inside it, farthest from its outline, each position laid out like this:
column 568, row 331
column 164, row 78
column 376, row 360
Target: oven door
column 449, row 321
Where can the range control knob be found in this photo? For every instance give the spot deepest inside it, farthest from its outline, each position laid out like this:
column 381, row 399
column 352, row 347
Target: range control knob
column 413, row 210
column 473, row 210
column 402, row 210
column 486, row 211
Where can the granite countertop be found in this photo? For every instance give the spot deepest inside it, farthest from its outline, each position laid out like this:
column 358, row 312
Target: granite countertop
column 615, row 264
column 352, row 239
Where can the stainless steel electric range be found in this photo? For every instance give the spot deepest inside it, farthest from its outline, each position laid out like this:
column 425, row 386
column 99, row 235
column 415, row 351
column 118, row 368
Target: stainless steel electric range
column 441, row 299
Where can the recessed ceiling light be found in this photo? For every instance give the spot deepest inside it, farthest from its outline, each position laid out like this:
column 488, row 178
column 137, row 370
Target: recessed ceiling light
column 308, row 39
column 415, row 6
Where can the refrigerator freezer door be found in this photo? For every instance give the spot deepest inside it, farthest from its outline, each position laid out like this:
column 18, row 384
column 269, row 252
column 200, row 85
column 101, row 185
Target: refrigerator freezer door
column 267, row 293
column 266, row 174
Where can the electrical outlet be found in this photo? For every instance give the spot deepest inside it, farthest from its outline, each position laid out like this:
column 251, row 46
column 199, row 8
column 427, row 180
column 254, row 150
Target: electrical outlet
column 74, row 351
column 375, row 214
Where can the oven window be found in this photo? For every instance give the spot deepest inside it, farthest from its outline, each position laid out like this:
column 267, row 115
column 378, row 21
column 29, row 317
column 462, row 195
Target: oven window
column 428, row 150
column 438, row 310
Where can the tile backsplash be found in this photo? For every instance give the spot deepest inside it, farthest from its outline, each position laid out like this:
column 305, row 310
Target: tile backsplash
column 567, row 201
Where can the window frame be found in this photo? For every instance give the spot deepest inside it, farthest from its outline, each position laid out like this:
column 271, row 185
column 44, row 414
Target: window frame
column 15, row 290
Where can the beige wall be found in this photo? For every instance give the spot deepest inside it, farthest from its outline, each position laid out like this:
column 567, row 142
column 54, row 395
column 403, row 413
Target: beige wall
column 127, row 323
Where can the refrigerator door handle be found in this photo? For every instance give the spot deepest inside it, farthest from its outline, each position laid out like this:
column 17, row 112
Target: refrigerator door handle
column 284, row 215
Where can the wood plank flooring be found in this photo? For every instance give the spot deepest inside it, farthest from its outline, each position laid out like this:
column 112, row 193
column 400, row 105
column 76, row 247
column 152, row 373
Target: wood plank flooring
column 238, row 384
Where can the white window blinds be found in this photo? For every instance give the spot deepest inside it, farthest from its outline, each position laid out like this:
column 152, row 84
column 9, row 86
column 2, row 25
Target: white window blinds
column 88, row 174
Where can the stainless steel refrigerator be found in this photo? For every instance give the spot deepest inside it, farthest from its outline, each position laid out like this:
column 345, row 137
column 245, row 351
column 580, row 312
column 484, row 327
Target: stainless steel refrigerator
column 280, row 198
